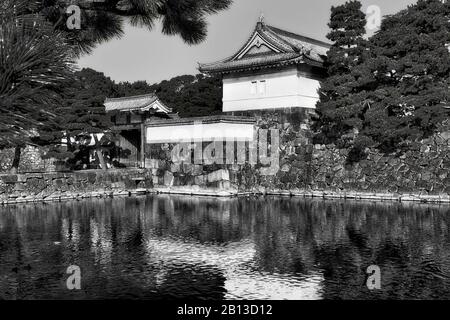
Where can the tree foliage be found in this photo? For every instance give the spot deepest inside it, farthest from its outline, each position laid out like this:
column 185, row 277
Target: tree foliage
column 80, row 116
column 41, row 99
column 82, row 113
column 339, row 92
column 192, row 96
column 397, row 89
column 188, row 95
column 34, row 62
column 104, row 20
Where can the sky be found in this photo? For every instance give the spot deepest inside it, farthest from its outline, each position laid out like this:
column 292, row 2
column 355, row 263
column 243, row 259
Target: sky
column 149, row 55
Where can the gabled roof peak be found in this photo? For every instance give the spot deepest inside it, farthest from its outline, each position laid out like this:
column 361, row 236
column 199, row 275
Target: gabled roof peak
column 271, row 47
column 298, row 36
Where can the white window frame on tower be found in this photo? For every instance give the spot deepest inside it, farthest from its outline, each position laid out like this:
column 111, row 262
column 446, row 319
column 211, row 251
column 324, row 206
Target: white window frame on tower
column 262, row 87
column 258, row 88
column 254, row 87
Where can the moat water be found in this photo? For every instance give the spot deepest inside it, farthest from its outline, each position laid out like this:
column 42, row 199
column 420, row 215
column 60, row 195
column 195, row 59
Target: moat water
column 169, row 247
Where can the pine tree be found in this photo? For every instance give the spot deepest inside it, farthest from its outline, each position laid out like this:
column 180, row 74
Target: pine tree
column 34, row 62
column 104, row 20
column 81, row 115
column 408, row 73
column 338, row 108
column 397, row 87
column 25, row 96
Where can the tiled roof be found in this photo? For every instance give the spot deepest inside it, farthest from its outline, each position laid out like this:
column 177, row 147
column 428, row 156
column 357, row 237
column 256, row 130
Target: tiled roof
column 136, row 103
column 285, row 48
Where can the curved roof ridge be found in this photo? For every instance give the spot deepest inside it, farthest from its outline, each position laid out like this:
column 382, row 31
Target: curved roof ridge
column 298, row 36
column 270, row 32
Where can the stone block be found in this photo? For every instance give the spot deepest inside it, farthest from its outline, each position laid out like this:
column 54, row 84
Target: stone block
column 235, row 167
column 22, row 178
column 162, row 164
column 175, row 167
column 168, row 179
column 225, row 185
column 11, row 178
column 91, row 177
column 19, row 187
column 319, row 147
column 197, row 170
column 118, row 185
column 219, row 175
column 151, row 164
column 188, row 168
column 200, row 180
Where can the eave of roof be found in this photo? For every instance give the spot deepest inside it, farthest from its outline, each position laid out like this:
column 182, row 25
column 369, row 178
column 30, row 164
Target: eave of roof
column 261, row 62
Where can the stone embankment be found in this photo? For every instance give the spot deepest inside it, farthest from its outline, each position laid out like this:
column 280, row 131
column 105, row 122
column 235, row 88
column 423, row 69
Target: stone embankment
column 420, row 174
column 45, row 187
column 37, row 187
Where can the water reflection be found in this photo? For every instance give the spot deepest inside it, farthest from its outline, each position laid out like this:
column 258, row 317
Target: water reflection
column 166, row 247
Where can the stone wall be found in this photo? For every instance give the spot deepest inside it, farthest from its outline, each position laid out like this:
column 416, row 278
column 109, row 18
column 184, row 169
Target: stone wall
column 31, row 160
column 423, row 173
column 307, row 168
column 294, row 140
column 69, row 185
column 425, row 169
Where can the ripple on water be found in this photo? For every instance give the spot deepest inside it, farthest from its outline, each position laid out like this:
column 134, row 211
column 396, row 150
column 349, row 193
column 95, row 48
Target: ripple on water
column 168, row 247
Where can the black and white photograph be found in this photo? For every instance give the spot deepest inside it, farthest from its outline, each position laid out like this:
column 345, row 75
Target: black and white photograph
column 224, row 155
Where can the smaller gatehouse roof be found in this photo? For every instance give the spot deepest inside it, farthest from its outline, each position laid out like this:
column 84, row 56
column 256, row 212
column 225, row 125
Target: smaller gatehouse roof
column 137, row 103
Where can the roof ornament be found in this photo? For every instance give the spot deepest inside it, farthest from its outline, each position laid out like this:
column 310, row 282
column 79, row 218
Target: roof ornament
column 261, row 17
